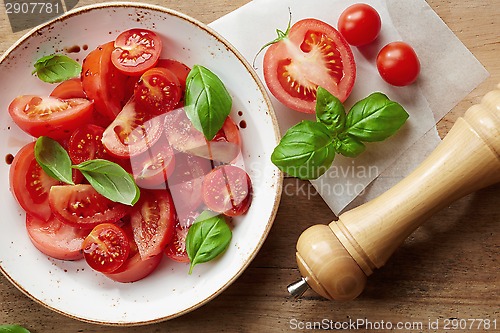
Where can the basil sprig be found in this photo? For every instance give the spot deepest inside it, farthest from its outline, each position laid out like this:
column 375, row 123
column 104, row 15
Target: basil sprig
column 208, row 237
column 307, row 150
column 56, row 68
column 107, row 178
column 13, row 329
column 207, row 101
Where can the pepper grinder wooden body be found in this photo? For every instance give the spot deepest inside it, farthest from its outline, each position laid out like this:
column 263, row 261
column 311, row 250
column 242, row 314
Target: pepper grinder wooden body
column 336, row 259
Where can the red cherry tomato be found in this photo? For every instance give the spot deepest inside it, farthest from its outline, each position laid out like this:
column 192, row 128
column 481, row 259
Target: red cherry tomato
column 131, row 133
column 103, row 83
column 30, row 184
column 176, row 250
column 359, row 24
column 227, row 189
column 106, row 248
column 50, row 116
column 71, row 88
column 56, row 239
column 82, row 207
column 153, row 222
column 398, row 64
column 136, row 51
column 313, row 54
column 158, row 91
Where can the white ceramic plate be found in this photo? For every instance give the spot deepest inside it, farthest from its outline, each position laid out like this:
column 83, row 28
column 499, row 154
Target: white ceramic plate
column 72, row 288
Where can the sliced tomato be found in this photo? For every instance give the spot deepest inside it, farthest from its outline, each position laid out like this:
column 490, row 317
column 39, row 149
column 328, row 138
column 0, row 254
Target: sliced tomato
column 50, row 116
column 71, row 88
column 312, row 54
column 176, row 250
column 153, row 221
column 180, row 70
column 56, row 239
column 135, row 269
column 30, row 184
column 227, row 189
column 158, row 91
column 106, row 247
column 103, row 83
column 82, row 207
column 136, row 51
column 131, row 133
column 152, row 168
column 185, row 138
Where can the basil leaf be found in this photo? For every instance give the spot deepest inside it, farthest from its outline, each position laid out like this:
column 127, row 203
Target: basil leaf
column 110, row 180
column 13, row 329
column 56, row 68
column 306, row 151
column 53, row 159
column 208, row 103
column 330, row 111
column 207, row 238
column 375, row 118
column 349, row 146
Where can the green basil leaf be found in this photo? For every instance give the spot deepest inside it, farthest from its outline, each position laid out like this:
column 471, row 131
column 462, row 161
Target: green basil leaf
column 375, row 118
column 53, row 159
column 349, row 146
column 306, row 151
column 330, row 111
column 110, row 180
column 56, row 68
column 207, row 101
column 208, row 237
column 13, row 329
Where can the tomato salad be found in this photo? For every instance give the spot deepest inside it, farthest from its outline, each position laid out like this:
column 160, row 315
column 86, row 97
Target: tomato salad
column 128, row 111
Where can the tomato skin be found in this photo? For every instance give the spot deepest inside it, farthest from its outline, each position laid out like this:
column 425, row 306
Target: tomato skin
column 227, row 189
column 106, row 248
column 82, row 207
column 295, row 66
column 359, row 24
column 135, row 51
column 71, row 88
column 180, row 70
column 398, row 64
column 30, row 184
column 131, row 133
column 135, row 269
column 153, row 220
column 50, row 116
column 55, row 239
column 103, row 83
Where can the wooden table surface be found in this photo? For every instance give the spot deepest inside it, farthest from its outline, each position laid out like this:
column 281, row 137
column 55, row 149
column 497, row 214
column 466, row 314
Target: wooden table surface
column 447, row 269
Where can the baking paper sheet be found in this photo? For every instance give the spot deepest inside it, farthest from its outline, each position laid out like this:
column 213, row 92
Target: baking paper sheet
column 442, row 83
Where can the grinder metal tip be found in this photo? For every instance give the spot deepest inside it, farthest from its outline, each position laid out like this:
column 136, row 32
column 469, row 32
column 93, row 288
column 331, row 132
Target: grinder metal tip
column 298, row 288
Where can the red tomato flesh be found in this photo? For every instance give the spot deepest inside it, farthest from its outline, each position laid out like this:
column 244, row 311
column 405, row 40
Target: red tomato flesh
column 71, row 88
column 135, row 269
column 314, row 54
column 176, row 250
column 106, row 248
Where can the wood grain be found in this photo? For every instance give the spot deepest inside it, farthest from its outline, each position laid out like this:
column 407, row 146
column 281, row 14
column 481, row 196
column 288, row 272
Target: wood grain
column 447, row 269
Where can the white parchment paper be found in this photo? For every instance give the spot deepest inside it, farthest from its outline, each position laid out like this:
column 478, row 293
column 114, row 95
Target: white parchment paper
column 441, row 84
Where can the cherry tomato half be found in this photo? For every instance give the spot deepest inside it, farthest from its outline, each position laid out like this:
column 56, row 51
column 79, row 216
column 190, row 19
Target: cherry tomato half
column 71, row 88
column 227, row 189
column 398, row 64
column 176, row 250
column 50, row 116
column 313, row 54
column 106, row 248
column 136, row 51
column 359, row 24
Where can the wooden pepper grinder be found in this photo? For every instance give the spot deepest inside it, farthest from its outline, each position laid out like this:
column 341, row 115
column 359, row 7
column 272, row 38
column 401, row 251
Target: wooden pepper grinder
column 336, row 259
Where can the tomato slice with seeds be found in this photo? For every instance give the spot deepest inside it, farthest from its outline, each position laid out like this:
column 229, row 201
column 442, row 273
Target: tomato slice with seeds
column 106, row 248
column 176, row 250
column 30, row 184
column 131, row 133
column 50, row 116
column 158, row 91
column 312, row 54
column 152, row 221
column 180, row 69
column 71, row 88
column 227, row 189
column 136, row 51
column 82, row 207
column 56, row 239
